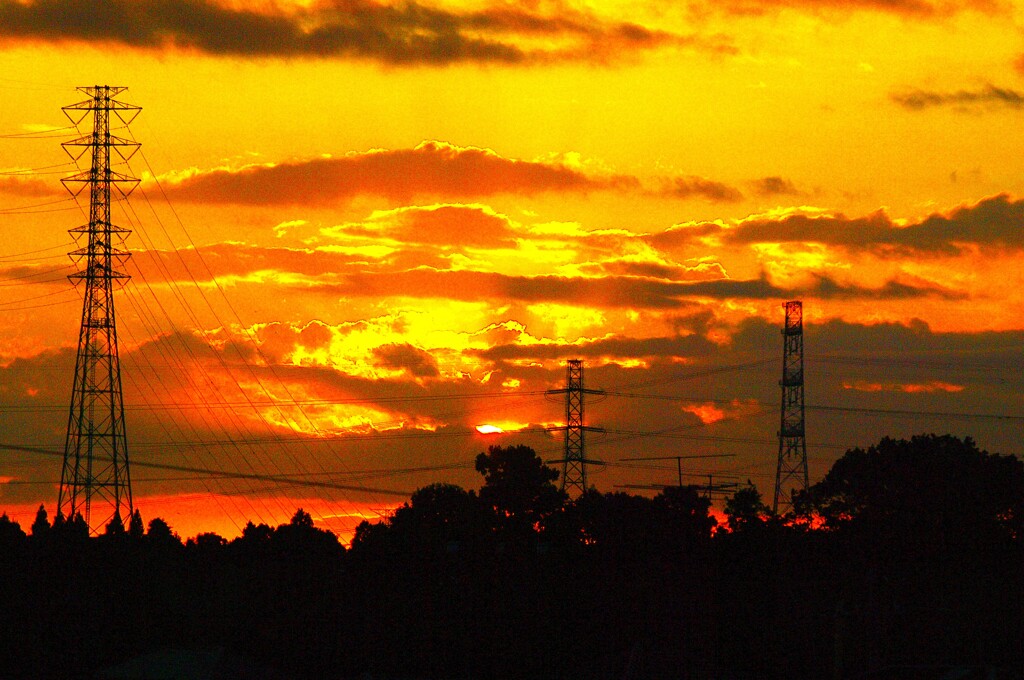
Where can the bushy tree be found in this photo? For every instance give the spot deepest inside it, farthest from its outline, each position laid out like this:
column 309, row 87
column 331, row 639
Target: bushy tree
column 300, row 537
column 160, row 533
column 442, row 516
column 745, row 509
column 928, row 489
column 518, row 486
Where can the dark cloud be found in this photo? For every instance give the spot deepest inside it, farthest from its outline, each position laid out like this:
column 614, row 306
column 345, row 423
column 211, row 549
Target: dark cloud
column 606, row 348
column 432, row 168
column 917, row 100
column 656, row 270
column 700, row 187
column 406, row 33
column 910, row 8
column 610, row 291
column 775, row 186
column 236, row 259
column 996, row 222
column 415, row 361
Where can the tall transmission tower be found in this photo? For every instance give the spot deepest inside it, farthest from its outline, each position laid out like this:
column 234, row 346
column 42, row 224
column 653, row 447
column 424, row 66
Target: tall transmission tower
column 791, row 474
column 574, row 464
column 95, row 480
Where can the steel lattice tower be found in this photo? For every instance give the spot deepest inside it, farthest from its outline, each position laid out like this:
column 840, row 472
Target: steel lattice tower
column 791, row 474
column 95, row 480
column 574, row 468
column 574, row 464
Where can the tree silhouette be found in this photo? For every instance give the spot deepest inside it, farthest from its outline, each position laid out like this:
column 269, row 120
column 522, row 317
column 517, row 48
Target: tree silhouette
column 745, row 509
column 924, row 532
column 930, row 489
column 41, row 524
column 10, row 531
column 136, row 529
column 301, row 518
column 207, row 541
column 71, row 530
column 115, row 527
column 441, row 516
column 915, row 560
column 300, row 538
column 160, row 533
column 519, row 487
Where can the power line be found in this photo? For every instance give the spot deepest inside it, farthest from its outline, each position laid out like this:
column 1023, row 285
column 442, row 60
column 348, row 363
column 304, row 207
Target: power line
column 225, row 473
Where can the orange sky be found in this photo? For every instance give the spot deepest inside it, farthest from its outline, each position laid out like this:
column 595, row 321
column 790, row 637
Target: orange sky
column 365, row 229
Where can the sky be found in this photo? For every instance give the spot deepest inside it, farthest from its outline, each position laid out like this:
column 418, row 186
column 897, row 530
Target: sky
column 365, row 229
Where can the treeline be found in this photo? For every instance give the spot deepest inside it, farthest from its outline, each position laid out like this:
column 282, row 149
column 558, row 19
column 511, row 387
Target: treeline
column 906, row 559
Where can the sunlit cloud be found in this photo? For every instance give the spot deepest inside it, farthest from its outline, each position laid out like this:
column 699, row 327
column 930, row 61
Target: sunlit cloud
column 708, row 413
column 442, row 225
column 930, row 387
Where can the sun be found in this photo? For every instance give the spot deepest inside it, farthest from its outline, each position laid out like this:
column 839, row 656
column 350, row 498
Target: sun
column 489, row 429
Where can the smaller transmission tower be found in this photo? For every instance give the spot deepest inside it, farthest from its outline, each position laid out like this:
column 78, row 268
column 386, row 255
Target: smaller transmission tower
column 95, row 471
column 574, row 464
column 791, row 474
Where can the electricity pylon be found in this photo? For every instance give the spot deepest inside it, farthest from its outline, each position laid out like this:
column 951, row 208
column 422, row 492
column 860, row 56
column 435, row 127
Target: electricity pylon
column 791, row 474
column 574, row 464
column 95, row 475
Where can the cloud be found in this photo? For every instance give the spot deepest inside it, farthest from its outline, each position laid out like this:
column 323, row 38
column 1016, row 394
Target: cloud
column 657, row 270
column 404, row 34
column 405, row 357
column 439, row 225
column 914, row 8
column 228, row 259
column 775, row 186
column 917, row 100
column 682, row 235
column 610, row 291
column 434, row 169
column 27, row 187
column 700, row 187
column 996, row 222
column 605, row 348
column 908, row 388
column 431, row 169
